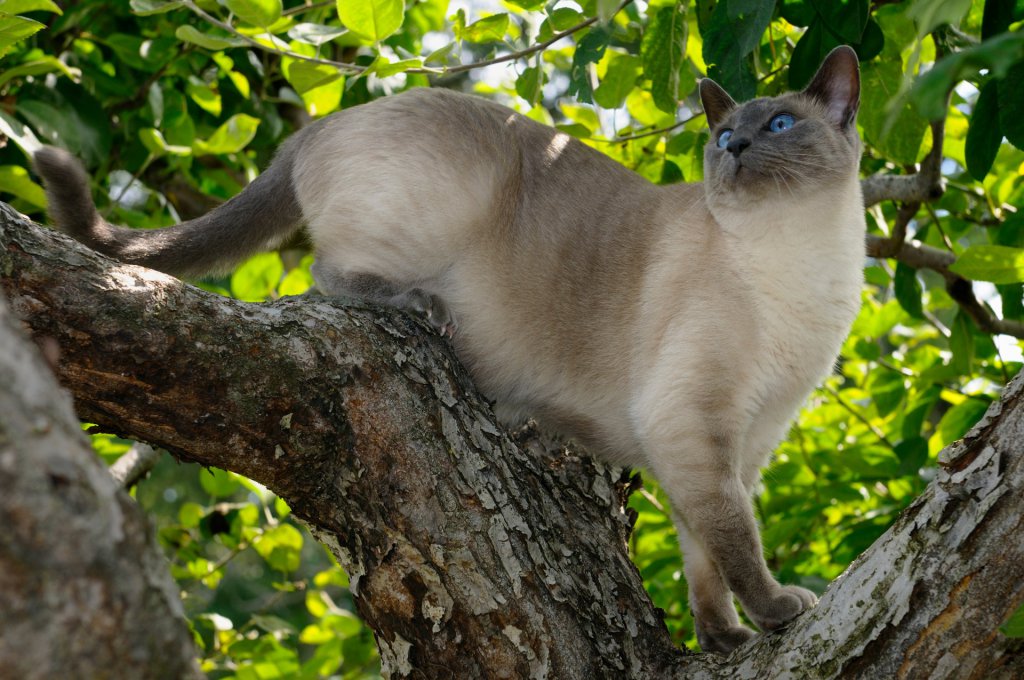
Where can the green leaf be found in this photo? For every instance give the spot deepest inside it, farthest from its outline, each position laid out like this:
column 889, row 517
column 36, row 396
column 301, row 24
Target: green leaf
column 845, row 18
column 887, row 390
column 69, row 115
column 214, row 43
column 1014, row 626
column 217, row 482
column 34, row 68
column 256, row 12
column 22, row 6
column 280, row 547
column 189, row 514
column 996, row 55
column 734, row 31
column 913, row 454
column 961, row 343
column 315, row 34
column 984, row 134
column 231, row 137
column 529, row 84
column 589, row 51
column 997, row 17
column 898, row 134
column 798, row 12
column 814, row 44
column 662, row 52
column 930, row 14
column 257, row 278
column 618, row 81
column 20, row 133
column 372, row 19
column 14, row 180
column 15, row 29
column 205, row 95
column 488, row 29
column 144, row 8
column 307, row 75
column 998, row 264
column 155, row 143
column 960, row 418
column 1011, row 105
column 908, row 290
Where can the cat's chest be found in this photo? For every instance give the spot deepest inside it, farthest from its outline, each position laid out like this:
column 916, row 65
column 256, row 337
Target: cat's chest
column 805, row 293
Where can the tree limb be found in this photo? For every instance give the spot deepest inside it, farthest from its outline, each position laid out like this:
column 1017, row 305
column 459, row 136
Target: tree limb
column 84, row 590
column 472, row 555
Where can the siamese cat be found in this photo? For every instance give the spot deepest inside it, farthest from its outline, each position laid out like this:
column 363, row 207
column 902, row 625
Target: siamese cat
column 677, row 328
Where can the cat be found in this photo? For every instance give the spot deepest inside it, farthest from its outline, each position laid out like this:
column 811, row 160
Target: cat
column 678, row 327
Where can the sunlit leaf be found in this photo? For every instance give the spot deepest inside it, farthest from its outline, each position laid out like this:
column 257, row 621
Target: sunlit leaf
column 998, row 264
column 256, row 12
column 372, row 19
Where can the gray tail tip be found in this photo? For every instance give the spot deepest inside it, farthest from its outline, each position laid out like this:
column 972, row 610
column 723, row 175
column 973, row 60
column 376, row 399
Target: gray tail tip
column 68, row 194
column 54, row 165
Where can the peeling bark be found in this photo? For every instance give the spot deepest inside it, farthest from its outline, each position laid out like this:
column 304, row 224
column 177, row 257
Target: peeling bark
column 472, row 554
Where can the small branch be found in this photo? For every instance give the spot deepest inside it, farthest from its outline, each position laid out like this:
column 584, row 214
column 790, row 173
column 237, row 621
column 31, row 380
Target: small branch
column 539, row 47
column 135, row 464
column 924, row 185
column 921, row 256
column 659, row 131
column 356, row 68
column 209, row 18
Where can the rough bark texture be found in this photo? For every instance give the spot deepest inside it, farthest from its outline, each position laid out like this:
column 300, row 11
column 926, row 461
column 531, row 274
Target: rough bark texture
column 473, row 555
column 84, row 590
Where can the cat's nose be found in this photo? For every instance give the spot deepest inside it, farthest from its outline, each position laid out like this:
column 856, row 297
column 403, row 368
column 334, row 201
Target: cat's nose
column 737, row 145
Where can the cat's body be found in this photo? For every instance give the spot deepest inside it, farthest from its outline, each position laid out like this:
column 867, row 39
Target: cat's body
column 677, row 328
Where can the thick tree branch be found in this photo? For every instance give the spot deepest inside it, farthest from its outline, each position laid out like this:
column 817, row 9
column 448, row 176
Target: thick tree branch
column 84, row 590
column 470, row 555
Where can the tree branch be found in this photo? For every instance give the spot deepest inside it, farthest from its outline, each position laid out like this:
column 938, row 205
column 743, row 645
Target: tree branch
column 472, row 555
column 921, row 256
column 84, row 590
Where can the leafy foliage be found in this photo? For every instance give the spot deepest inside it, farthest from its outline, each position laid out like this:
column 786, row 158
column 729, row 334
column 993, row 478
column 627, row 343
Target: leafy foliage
column 175, row 105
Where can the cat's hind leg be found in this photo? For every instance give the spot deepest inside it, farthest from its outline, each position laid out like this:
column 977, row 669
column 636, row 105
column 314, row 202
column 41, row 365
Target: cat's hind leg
column 379, row 289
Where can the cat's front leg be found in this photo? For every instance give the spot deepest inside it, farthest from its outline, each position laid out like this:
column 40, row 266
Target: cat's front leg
column 696, row 450
column 715, row 619
column 718, row 522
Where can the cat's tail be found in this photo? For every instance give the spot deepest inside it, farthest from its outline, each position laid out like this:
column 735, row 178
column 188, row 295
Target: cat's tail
column 257, row 219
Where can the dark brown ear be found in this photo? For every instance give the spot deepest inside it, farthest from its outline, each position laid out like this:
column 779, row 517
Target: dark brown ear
column 716, row 102
column 837, row 85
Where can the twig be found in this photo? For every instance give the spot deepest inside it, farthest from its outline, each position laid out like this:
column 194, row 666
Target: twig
column 921, row 256
column 134, row 464
column 858, row 415
column 209, row 18
column 659, row 131
column 356, row 68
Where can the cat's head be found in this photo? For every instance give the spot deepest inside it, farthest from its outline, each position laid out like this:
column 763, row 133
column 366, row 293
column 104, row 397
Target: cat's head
column 785, row 146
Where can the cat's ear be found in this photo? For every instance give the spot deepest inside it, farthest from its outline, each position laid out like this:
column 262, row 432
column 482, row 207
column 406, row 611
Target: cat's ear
column 837, row 85
column 716, row 102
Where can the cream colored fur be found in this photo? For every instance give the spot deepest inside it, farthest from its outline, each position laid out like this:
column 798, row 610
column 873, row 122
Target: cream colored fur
column 676, row 328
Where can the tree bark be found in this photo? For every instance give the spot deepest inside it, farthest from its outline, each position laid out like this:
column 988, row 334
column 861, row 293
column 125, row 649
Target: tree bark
column 84, row 590
column 473, row 554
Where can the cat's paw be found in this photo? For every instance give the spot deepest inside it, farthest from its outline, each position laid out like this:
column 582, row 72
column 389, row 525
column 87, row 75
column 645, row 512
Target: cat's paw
column 782, row 607
column 722, row 641
column 431, row 308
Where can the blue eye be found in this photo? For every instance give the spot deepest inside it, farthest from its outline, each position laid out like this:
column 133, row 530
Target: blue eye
column 723, row 138
column 781, row 122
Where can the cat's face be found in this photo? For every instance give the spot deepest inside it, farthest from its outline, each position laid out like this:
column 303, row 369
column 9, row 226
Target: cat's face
column 783, row 147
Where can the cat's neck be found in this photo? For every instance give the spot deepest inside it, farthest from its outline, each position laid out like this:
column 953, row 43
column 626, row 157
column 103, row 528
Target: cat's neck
column 793, row 234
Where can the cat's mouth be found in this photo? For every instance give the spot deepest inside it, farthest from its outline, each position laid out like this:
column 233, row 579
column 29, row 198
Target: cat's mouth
column 744, row 169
